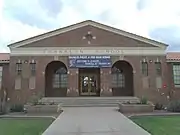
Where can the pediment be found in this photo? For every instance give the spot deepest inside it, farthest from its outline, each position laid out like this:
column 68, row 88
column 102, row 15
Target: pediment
column 88, row 34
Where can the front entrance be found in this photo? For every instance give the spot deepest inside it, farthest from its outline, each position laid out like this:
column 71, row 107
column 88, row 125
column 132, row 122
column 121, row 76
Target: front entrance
column 89, row 82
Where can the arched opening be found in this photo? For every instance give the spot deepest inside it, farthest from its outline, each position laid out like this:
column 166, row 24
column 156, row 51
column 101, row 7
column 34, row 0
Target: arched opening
column 122, row 79
column 56, row 79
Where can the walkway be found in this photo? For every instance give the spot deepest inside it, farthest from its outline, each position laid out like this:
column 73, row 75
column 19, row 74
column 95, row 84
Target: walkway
column 93, row 121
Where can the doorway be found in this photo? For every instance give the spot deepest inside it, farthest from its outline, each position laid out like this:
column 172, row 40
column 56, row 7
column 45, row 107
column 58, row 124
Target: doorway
column 89, row 81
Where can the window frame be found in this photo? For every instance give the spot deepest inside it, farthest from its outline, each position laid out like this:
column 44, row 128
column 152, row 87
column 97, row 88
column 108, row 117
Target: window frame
column 176, row 75
column 144, row 68
column 1, row 76
column 60, row 78
column 19, row 68
column 118, row 78
column 33, row 68
column 158, row 68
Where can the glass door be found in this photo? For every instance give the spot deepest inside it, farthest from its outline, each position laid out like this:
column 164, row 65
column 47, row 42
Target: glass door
column 88, row 84
column 84, row 84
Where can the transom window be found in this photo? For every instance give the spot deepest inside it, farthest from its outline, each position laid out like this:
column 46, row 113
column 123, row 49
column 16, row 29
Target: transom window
column 60, row 78
column 176, row 74
column 118, row 79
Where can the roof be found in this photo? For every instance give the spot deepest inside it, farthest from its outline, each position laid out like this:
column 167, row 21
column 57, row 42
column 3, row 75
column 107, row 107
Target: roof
column 4, row 57
column 82, row 24
column 173, row 56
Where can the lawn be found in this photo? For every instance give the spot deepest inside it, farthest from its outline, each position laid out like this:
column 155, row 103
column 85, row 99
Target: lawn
column 24, row 126
column 159, row 125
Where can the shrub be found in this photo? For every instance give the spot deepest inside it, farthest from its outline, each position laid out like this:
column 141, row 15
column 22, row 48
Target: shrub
column 128, row 102
column 174, row 106
column 17, row 108
column 143, row 100
column 158, row 106
column 34, row 99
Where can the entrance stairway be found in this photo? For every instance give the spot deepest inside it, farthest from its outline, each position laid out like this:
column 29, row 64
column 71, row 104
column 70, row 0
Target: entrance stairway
column 89, row 101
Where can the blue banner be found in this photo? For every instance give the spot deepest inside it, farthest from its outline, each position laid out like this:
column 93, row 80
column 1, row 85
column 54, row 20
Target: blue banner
column 89, row 61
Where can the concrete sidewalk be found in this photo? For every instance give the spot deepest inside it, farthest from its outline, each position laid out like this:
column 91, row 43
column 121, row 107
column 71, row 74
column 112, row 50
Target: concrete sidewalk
column 93, row 121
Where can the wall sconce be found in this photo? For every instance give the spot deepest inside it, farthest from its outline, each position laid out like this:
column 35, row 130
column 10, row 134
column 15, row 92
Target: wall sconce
column 150, row 61
column 26, row 61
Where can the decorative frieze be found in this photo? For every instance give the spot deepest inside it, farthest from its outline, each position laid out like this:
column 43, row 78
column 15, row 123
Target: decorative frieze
column 62, row 51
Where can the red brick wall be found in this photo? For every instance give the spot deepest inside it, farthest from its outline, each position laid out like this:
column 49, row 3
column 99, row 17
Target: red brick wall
column 151, row 93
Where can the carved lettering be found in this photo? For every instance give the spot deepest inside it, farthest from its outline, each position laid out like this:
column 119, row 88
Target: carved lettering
column 81, row 51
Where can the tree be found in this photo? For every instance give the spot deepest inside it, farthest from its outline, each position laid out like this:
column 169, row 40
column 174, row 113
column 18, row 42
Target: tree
column 3, row 101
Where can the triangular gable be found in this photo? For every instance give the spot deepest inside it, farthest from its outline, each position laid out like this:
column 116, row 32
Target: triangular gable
column 82, row 24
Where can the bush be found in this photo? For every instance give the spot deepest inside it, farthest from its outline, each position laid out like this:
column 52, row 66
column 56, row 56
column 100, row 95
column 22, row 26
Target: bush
column 143, row 100
column 158, row 106
column 17, row 108
column 174, row 106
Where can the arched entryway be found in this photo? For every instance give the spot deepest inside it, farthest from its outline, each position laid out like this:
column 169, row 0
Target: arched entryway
column 122, row 79
column 56, row 79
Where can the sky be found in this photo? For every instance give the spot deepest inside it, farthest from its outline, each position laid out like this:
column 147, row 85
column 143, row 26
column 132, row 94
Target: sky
column 154, row 19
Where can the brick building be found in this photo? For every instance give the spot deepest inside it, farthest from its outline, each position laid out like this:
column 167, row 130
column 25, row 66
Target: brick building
column 89, row 59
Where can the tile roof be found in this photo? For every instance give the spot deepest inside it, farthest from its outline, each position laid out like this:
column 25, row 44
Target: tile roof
column 4, row 57
column 173, row 56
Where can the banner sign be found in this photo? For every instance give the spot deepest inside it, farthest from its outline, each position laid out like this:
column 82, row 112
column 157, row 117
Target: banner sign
column 89, row 61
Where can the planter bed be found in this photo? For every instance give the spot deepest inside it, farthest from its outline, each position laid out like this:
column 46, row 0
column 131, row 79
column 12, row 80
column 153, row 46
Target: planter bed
column 42, row 108
column 135, row 108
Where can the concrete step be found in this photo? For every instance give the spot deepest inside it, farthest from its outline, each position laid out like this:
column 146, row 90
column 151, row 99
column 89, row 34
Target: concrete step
column 88, row 101
column 91, row 105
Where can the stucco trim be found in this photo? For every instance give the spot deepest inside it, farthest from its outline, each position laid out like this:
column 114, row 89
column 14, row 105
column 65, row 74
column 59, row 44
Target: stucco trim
column 66, row 51
column 82, row 24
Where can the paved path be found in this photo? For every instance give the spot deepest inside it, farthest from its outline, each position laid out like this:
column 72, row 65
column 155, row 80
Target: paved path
column 93, row 121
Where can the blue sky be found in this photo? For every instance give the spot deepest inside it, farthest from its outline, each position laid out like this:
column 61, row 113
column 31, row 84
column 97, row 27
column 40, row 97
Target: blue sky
column 155, row 19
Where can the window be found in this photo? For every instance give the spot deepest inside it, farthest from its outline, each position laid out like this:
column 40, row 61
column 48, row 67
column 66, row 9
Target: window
column 118, row 79
column 158, row 68
column 1, row 73
column 176, row 74
column 33, row 68
column 144, row 68
column 19, row 68
column 60, row 78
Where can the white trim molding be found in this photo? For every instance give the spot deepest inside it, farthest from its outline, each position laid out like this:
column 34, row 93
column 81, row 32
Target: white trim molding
column 86, row 23
column 66, row 51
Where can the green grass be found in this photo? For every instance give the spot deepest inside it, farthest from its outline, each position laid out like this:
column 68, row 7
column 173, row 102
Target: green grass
column 159, row 125
column 24, row 126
